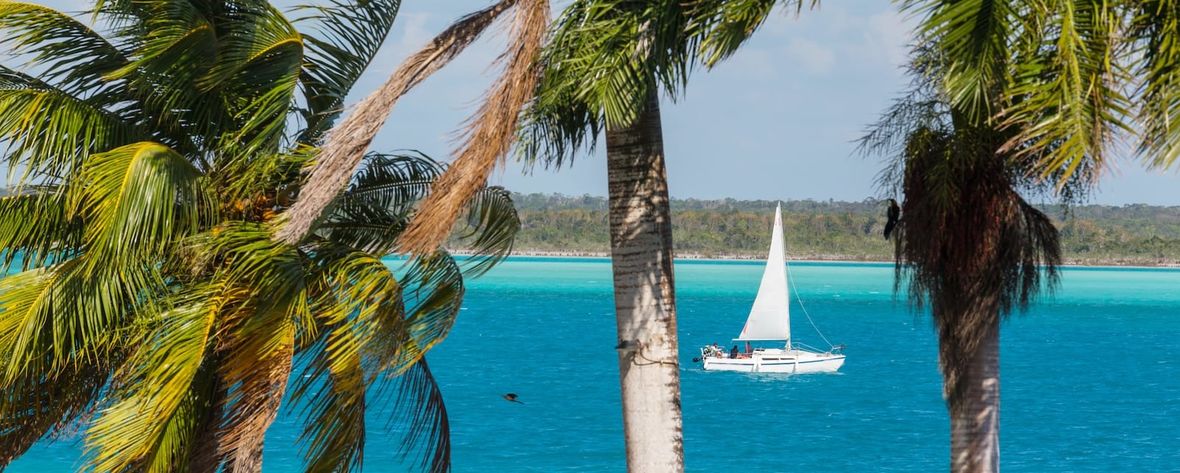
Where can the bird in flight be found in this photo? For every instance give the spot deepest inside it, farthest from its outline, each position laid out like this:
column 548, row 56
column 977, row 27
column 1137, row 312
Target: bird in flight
column 512, row 397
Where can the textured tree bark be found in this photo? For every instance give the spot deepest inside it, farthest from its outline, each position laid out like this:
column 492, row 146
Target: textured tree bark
column 645, row 303
column 975, row 419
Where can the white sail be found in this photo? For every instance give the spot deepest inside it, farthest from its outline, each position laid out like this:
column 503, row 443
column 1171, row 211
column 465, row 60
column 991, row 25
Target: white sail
column 770, row 318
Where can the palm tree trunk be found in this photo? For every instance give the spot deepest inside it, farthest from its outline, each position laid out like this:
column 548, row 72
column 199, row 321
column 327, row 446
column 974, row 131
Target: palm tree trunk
column 645, row 302
column 975, row 416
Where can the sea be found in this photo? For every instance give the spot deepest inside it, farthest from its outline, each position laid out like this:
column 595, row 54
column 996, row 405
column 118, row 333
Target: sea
column 1090, row 377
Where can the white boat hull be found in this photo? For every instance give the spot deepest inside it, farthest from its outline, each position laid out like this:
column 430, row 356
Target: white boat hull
column 777, row 361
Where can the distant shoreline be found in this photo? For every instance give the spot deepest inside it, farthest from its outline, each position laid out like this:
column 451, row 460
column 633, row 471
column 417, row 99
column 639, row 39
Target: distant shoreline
column 818, row 259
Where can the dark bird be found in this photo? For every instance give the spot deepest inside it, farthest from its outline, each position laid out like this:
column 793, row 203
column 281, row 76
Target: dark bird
column 511, row 397
column 894, row 215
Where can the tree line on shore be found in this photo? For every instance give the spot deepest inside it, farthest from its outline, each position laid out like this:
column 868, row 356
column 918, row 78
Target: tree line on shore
column 1091, row 234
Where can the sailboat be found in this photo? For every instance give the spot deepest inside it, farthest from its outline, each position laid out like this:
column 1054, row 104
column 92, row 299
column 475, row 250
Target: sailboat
column 770, row 322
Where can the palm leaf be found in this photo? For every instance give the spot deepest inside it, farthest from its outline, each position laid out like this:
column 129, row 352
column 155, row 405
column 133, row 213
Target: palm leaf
column 256, row 71
column 49, row 131
column 57, row 234
column 489, row 134
column 155, row 387
column 493, row 225
column 72, row 56
column 348, row 142
column 1155, row 29
column 346, row 37
column 138, row 201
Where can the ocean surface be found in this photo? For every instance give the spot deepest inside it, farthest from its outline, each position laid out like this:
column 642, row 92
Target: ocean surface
column 1090, row 378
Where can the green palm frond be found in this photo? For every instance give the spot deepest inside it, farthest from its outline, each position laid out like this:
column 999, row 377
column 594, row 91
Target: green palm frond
column 725, row 25
column 424, row 422
column 975, row 36
column 73, row 56
column 333, row 393
column 147, row 407
column 257, row 72
column 55, row 235
column 1067, row 104
column 175, row 45
column 49, row 131
column 138, row 201
column 1155, row 30
column 25, row 311
column 376, row 208
column 364, row 338
column 492, row 224
column 598, row 67
column 344, row 39
column 434, row 289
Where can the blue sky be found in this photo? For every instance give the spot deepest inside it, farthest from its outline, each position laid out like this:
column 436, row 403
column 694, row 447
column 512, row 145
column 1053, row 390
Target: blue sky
column 776, row 121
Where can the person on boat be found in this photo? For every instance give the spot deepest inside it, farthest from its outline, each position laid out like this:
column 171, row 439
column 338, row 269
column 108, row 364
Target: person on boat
column 733, row 353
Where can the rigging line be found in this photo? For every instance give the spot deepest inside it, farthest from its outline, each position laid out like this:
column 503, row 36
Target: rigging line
column 791, row 283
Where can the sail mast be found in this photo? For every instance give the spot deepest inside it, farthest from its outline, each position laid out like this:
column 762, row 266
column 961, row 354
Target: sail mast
column 770, row 317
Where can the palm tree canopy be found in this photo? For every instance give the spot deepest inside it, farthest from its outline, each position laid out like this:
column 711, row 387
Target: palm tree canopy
column 152, row 305
column 1078, row 77
column 604, row 56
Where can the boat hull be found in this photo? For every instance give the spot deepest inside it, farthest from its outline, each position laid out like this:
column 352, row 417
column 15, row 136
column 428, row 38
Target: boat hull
column 779, row 361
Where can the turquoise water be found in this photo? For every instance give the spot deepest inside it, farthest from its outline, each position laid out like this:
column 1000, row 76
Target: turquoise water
column 1091, row 378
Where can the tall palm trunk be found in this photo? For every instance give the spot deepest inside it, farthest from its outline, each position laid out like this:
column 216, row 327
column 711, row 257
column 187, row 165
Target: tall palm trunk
column 975, row 416
column 645, row 299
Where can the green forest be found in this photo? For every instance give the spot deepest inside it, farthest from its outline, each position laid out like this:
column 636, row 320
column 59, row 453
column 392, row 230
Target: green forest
column 728, row 228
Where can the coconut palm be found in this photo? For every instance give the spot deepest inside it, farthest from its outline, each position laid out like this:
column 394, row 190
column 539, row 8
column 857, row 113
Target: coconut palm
column 603, row 71
column 153, row 307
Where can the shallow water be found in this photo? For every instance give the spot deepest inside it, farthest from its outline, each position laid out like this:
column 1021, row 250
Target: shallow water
column 1091, row 377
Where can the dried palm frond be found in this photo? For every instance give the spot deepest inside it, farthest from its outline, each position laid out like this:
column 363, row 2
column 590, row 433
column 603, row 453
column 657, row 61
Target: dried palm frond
column 489, row 134
column 345, row 145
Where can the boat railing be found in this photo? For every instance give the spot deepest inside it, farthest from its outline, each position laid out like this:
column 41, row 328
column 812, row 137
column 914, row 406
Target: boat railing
column 834, row 349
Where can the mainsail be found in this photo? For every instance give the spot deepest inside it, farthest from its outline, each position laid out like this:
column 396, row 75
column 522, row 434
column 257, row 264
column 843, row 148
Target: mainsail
column 770, row 318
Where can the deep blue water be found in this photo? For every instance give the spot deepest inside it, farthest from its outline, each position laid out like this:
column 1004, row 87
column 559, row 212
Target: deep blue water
column 1090, row 378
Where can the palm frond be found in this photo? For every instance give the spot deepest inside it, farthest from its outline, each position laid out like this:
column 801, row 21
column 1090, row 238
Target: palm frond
column 1067, row 105
column 37, row 406
column 1155, row 28
column 725, row 25
column 346, row 144
column 489, row 134
column 138, row 201
column 493, row 225
column 975, row 36
column 55, row 235
column 50, row 132
column 257, row 72
column 425, row 425
column 603, row 59
column 72, row 56
column 434, row 290
column 150, row 405
column 346, row 37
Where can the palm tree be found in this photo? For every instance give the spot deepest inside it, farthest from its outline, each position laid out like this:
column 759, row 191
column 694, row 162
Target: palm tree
column 154, row 307
column 1078, row 76
column 968, row 245
column 603, row 70
column 1046, row 82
